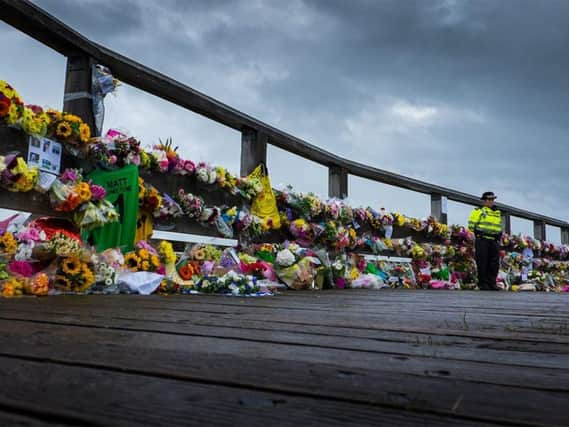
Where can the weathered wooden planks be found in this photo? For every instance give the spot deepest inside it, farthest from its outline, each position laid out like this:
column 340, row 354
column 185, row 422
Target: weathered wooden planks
column 345, row 349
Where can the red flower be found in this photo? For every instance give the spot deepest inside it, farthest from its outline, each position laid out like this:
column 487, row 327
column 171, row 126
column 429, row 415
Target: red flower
column 4, row 105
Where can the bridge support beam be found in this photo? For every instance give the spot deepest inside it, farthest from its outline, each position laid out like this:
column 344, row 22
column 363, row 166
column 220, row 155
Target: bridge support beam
column 439, row 208
column 565, row 236
column 539, row 230
column 337, row 182
column 253, row 150
column 78, row 93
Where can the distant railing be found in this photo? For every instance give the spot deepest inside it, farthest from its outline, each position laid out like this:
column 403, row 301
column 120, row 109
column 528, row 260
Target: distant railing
column 82, row 53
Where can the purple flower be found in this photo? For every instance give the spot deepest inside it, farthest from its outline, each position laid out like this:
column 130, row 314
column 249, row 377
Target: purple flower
column 68, row 176
column 97, row 192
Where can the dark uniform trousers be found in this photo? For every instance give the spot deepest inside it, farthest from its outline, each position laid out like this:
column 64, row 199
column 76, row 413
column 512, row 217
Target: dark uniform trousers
column 487, row 262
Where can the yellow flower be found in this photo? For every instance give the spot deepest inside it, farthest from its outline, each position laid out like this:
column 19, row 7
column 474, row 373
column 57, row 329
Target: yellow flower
column 71, row 118
column 12, row 288
column 87, row 278
column 55, row 113
column 143, row 254
column 132, row 261
column 155, row 261
column 8, row 243
column 71, row 266
column 13, row 114
column 83, row 191
column 145, row 265
column 63, row 130
column 167, row 252
column 62, row 283
column 84, row 132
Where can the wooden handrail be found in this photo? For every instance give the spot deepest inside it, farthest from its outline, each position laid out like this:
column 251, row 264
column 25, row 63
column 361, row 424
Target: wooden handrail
column 37, row 23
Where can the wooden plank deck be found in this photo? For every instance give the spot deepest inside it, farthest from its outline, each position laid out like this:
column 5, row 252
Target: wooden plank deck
column 385, row 358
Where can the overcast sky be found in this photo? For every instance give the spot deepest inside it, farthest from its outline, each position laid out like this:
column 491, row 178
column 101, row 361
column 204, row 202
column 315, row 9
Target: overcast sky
column 472, row 95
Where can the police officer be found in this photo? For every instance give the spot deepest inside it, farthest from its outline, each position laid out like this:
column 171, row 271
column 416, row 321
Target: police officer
column 486, row 223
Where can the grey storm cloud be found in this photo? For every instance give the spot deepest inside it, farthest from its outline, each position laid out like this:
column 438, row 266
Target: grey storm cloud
column 473, row 95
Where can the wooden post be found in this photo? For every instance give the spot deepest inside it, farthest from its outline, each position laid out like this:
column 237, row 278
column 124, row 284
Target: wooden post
column 539, row 230
column 439, row 208
column 337, row 182
column 78, row 92
column 253, row 150
column 565, row 236
column 506, row 223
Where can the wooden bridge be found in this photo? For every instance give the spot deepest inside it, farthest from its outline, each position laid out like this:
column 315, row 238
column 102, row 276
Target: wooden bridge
column 386, row 358
column 381, row 358
column 82, row 53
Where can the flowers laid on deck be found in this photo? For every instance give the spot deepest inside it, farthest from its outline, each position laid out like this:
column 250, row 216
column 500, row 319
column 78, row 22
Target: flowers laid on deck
column 321, row 243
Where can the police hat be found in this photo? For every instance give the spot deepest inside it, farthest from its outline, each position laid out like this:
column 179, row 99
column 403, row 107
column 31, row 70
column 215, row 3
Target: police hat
column 487, row 195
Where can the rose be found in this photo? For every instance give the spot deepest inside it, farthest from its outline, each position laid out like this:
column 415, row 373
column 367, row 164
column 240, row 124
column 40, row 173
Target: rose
column 285, row 258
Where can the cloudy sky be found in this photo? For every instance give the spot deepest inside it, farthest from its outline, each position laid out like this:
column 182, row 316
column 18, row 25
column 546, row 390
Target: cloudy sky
column 472, row 95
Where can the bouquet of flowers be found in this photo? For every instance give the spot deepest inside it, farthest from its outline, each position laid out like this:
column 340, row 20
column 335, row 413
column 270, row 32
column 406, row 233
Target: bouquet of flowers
column 149, row 199
column 68, row 128
column 248, row 187
column 63, row 244
column 94, row 215
column 191, row 205
column 8, row 244
column 35, row 121
column 238, row 284
column 168, row 210
column 73, row 275
column 16, row 175
column 302, row 231
column 116, row 150
column 143, row 258
column 205, row 173
column 11, row 105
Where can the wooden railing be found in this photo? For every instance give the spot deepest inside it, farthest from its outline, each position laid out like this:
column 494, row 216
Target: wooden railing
column 81, row 53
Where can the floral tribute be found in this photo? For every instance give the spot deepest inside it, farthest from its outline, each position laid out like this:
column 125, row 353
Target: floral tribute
column 321, row 244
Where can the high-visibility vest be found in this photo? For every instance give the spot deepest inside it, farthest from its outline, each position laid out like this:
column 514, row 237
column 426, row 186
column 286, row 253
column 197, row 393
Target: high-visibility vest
column 485, row 221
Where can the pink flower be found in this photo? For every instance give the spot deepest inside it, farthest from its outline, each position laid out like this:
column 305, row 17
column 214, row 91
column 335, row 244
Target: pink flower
column 97, row 192
column 189, row 166
column 22, row 268
column 143, row 244
column 68, row 175
column 161, row 270
column 113, row 159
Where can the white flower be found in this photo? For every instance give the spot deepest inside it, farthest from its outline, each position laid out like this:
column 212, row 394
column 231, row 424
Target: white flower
column 285, row 258
column 212, row 177
column 108, row 282
column 338, row 265
column 202, row 175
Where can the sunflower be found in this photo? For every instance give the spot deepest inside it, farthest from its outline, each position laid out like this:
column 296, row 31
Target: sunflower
column 200, row 254
column 132, row 261
column 84, row 132
column 83, row 191
column 87, row 278
column 71, row 266
column 72, row 118
column 155, row 261
column 63, row 130
column 62, row 283
column 143, row 254
column 145, row 265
